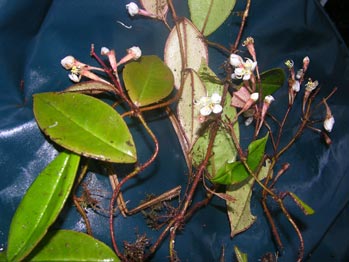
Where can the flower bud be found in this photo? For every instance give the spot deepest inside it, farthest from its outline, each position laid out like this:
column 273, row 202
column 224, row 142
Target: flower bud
column 68, row 62
column 132, row 8
column 235, row 60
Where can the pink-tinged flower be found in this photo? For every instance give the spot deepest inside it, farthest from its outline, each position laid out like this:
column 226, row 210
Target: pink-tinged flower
column 329, row 120
column 133, row 10
column 210, row 104
column 111, row 57
column 267, row 101
column 76, row 73
column 133, row 53
column 249, row 43
column 306, row 61
column 294, row 87
column 309, row 87
column 251, row 101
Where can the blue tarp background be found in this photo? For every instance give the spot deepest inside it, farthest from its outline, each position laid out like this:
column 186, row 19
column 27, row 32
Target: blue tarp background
column 36, row 35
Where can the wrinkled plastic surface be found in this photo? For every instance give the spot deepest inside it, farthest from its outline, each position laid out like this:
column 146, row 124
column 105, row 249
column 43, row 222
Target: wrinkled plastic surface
column 35, row 36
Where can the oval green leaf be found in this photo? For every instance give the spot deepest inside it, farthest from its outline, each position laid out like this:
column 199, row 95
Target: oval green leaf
column 85, row 125
column 67, row 245
column 272, row 80
column 147, row 80
column 41, row 205
column 194, row 49
column 208, row 15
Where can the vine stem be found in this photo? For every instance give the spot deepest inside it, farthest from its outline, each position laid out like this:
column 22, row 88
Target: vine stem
column 136, row 171
column 242, row 26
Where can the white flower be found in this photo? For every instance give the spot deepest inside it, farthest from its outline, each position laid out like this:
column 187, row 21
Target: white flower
column 68, row 62
column 296, row 86
column 210, row 104
column 310, row 85
column 244, row 70
column 74, row 77
column 132, row 8
column 328, row 123
column 235, row 60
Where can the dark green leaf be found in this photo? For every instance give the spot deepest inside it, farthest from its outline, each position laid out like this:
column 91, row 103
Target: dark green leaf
column 256, row 152
column 41, row 205
column 85, row 125
column 90, row 88
column 208, row 15
column 66, row 245
column 148, row 80
column 272, row 80
column 235, row 172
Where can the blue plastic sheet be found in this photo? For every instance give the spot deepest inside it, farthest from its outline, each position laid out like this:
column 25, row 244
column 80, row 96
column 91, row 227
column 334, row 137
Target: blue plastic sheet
column 35, row 36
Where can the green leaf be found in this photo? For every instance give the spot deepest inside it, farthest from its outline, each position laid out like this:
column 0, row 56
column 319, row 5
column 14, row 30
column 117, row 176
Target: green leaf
column 256, row 151
column 305, row 207
column 90, row 88
column 208, row 15
column 85, row 125
column 240, row 256
column 41, row 205
column 194, row 49
column 239, row 211
column 235, row 172
column 188, row 111
column 272, row 80
column 157, row 7
column 147, row 80
column 67, row 245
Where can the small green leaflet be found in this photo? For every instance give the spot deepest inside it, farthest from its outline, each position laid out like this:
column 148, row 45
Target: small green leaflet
column 305, row 207
column 240, row 256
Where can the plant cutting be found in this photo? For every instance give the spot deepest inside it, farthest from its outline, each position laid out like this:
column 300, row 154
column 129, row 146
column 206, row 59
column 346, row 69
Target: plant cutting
column 91, row 121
